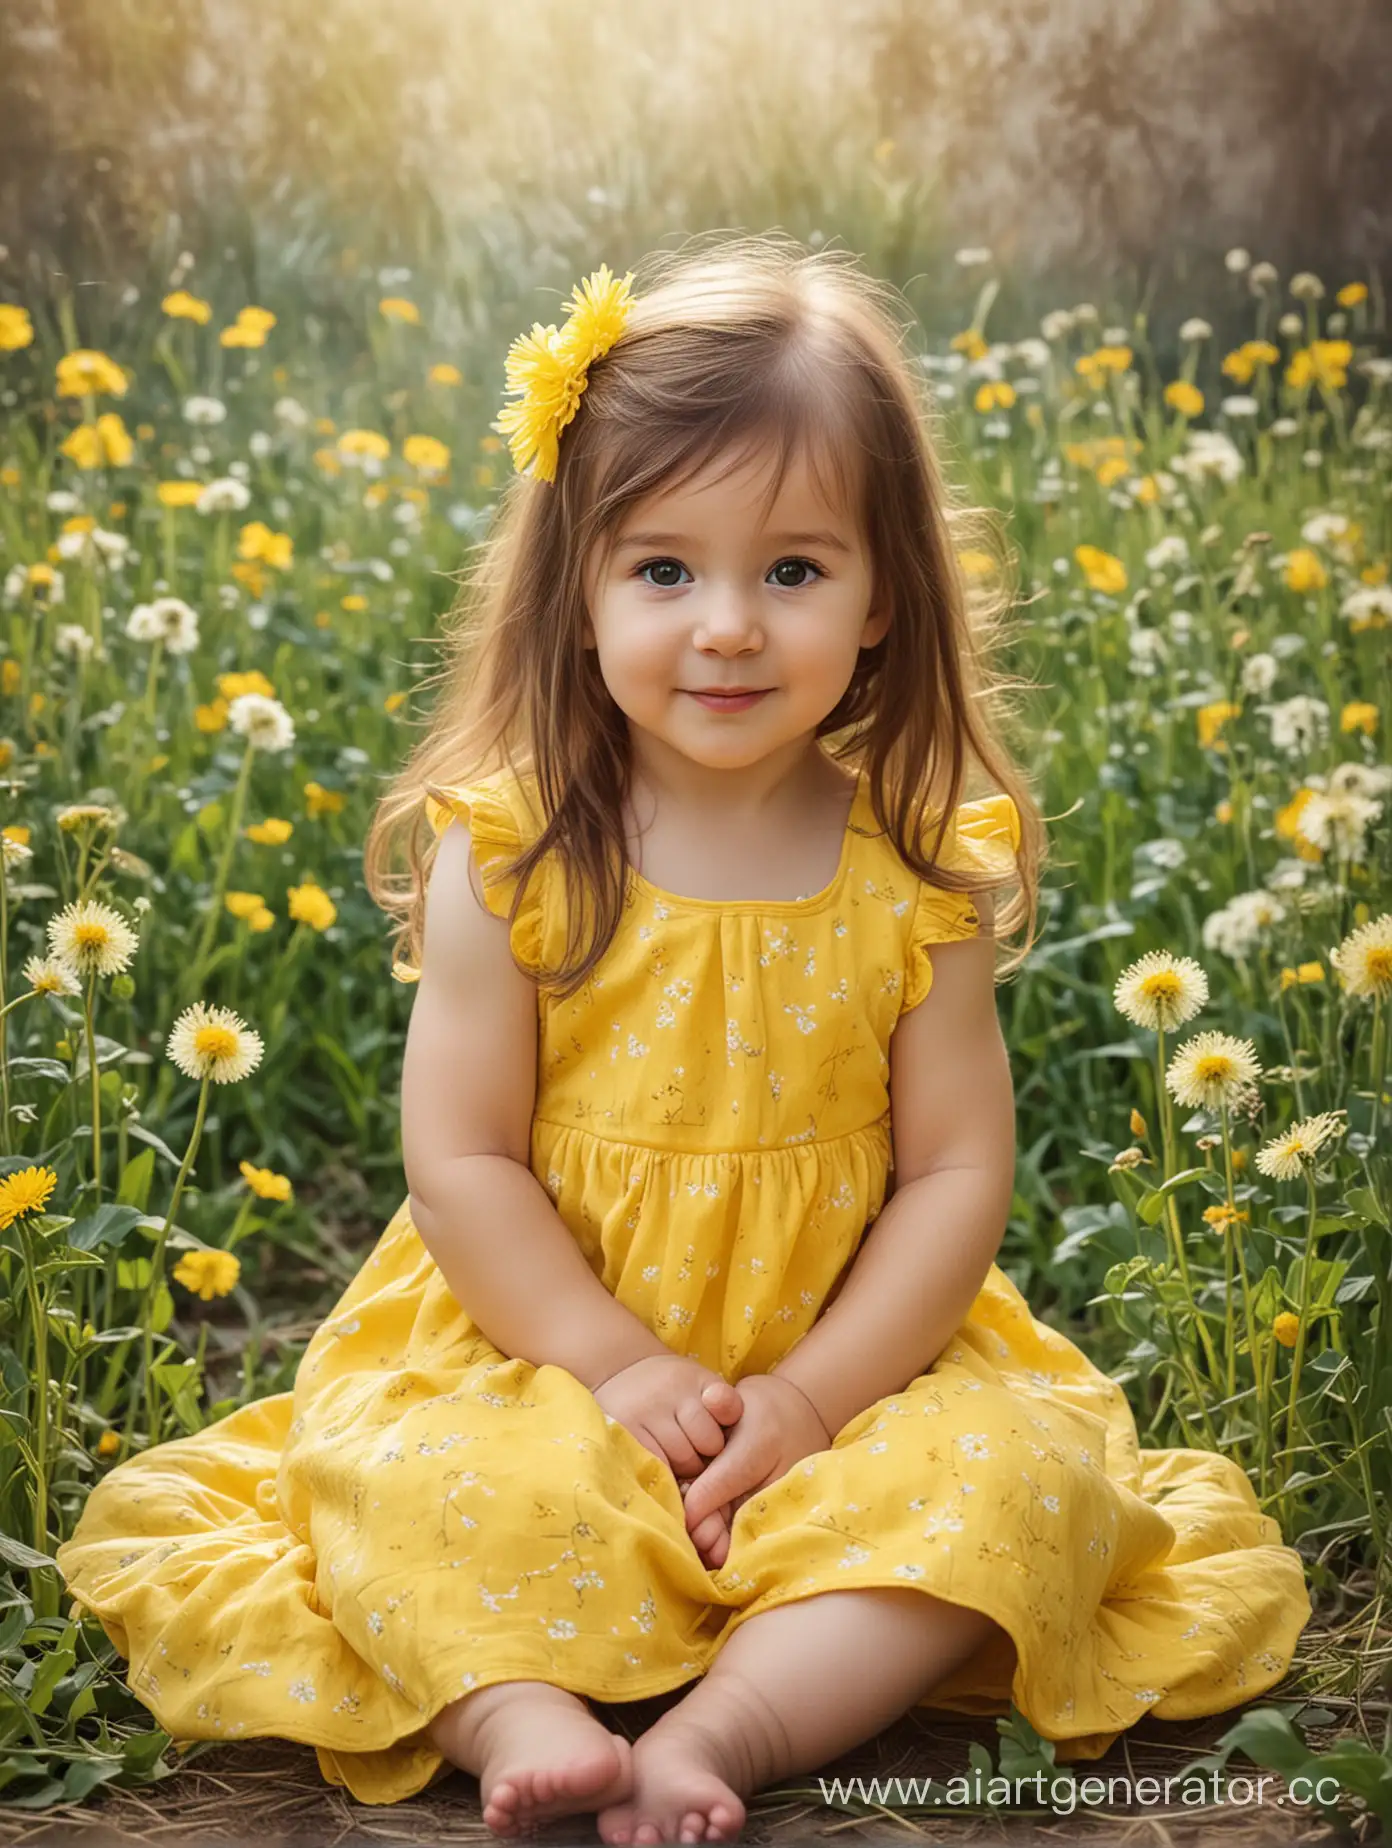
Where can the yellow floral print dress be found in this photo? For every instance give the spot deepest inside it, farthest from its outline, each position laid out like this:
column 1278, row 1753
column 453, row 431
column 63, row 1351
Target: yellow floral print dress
column 422, row 1515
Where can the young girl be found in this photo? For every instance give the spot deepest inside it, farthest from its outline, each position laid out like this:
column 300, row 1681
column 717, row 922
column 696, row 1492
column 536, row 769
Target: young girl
column 629, row 1395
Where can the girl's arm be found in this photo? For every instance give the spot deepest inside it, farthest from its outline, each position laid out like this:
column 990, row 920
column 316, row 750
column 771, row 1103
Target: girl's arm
column 468, row 1089
column 922, row 1263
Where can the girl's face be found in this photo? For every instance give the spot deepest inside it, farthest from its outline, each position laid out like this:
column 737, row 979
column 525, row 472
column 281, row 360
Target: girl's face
column 698, row 595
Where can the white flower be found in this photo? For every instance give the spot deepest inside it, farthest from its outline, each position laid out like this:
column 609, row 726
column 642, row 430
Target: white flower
column 1285, row 1157
column 213, row 1042
column 1364, row 958
column 1259, row 673
column 169, row 620
column 1032, row 353
column 1298, row 725
column 1209, row 452
column 291, row 412
column 972, row 257
column 262, row 720
column 1324, row 528
column 1284, row 426
column 1056, row 325
column 1305, row 286
column 1368, row 601
column 1173, row 549
column 61, row 500
column 204, row 410
column 1161, row 990
column 1378, row 367
column 52, row 975
column 1291, row 326
column 1338, row 819
column 1237, row 260
column 14, row 853
column 93, row 937
column 1241, row 923
column 225, row 495
column 1262, row 276
column 71, row 639
column 1212, row 1069
column 1196, row 329
column 1239, row 405
column 1371, row 780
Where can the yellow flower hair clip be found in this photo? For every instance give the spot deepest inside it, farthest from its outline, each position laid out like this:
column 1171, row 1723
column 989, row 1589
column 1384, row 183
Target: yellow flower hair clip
column 548, row 368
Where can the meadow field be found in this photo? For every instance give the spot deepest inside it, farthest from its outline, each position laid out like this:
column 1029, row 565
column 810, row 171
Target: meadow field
column 229, row 532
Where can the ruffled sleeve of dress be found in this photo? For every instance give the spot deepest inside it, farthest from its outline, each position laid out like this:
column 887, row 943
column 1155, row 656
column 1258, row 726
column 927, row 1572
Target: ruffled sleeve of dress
column 500, row 825
column 983, row 837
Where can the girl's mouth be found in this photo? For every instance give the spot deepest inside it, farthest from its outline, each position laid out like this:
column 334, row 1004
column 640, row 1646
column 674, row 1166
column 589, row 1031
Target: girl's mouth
column 730, row 702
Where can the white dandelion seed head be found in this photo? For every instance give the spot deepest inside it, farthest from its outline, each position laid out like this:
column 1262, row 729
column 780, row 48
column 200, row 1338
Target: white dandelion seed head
column 204, row 411
column 225, row 495
column 262, row 720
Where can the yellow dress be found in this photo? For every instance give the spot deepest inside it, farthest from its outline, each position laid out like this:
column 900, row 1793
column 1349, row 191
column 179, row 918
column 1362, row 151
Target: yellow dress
column 422, row 1516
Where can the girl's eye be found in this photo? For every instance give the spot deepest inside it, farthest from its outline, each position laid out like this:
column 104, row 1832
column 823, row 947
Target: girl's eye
column 668, row 564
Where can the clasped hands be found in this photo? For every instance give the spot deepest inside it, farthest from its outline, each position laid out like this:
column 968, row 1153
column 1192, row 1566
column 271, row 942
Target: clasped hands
column 723, row 1443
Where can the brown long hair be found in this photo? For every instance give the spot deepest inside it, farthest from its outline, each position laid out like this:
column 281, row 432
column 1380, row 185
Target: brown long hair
column 758, row 340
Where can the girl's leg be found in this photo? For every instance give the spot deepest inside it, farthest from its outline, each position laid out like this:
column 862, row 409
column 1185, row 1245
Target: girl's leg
column 793, row 1689
column 536, row 1750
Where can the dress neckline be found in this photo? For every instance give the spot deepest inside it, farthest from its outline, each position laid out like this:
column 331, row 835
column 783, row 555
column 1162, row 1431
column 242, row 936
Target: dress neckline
column 810, row 903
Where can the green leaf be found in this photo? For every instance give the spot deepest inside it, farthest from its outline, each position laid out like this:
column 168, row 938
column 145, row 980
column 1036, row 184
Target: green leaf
column 107, row 1225
column 134, row 1188
column 15, row 1553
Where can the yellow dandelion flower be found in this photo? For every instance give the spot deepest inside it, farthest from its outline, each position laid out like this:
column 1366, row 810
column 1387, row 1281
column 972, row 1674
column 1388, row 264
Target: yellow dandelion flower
column 108, row 1444
column 86, row 373
column 549, row 369
column 1359, row 715
column 243, row 904
column 1103, row 571
column 273, row 832
column 1286, row 1328
column 265, row 1183
column 1185, row 398
column 1212, row 1070
column 427, row 454
column 1211, row 719
column 1304, row 572
column 1323, row 362
column 1352, row 294
column 208, row 1273
column 393, row 702
column 16, row 329
column 971, row 342
column 212, row 717
column 321, row 801
column 181, row 306
column 179, row 493
column 310, row 904
column 26, row 1190
column 398, row 308
column 359, row 445
column 443, row 373
column 232, row 685
column 994, row 394
column 261, row 920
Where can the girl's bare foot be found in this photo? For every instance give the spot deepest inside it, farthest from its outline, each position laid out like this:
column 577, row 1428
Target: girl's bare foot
column 684, row 1780
column 537, row 1752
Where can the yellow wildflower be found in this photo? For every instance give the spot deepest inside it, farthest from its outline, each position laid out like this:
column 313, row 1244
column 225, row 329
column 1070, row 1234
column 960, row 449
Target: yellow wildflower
column 310, row 904
column 273, row 832
column 970, row 342
column 212, row 717
column 370, row 444
column 443, row 373
column 1211, row 719
column 397, row 308
column 1103, row 571
column 1243, row 362
column 1185, row 398
column 242, row 904
column 181, row 306
column 393, row 702
column 265, row 1183
column 1351, row 294
column 426, row 453
column 321, row 801
column 16, row 329
column 1304, row 572
column 106, row 443
column 1359, row 715
column 85, row 373
column 233, row 685
column 1286, row 1328
column 257, row 542
column 208, row 1273
column 1323, row 362
column 994, row 394
column 25, row 1191
column 108, row 1444
column 179, row 493
column 353, row 602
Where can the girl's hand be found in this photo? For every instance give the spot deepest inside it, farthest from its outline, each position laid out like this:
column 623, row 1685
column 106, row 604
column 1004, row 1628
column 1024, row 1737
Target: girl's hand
column 674, row 1406
column 778, row 1428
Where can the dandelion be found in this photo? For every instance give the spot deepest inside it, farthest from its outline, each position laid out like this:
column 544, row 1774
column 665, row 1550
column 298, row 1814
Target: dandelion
column 266, row 1183
column 204, row 411
column 1286, row 1157
column 51, row 975
column 1185, row 398
column 1102, row 570
column 103, row 444
column 213, row 1044
column 92, row 937
column 398, row 308
column 1364, row 959
column 360, row 446
column 263, row 722
column 225, row 495
column 443, row 373
column 169, row 621
column 208, row 1273
column 426, row 454
column 1338, row 820
column 181, row 306
column 1211, row 1071
column 86, row 373
column 16, row 329
column 1161, row 990
column 258, row 543
column 310, row 904
column 1299, row 725
column 1286, row 1328
column 25, row 1191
